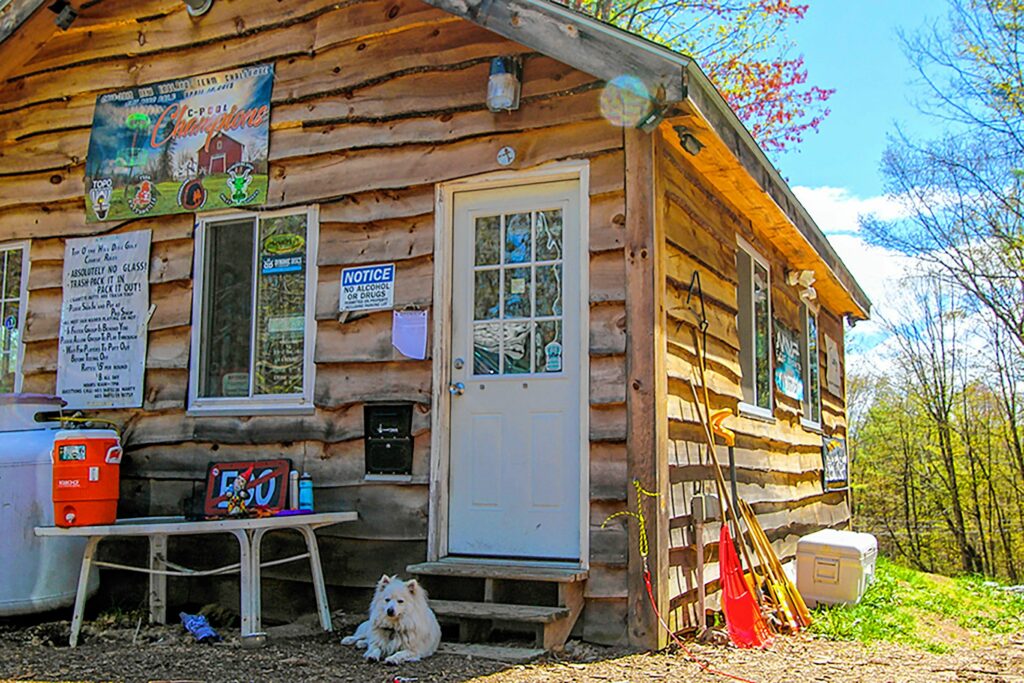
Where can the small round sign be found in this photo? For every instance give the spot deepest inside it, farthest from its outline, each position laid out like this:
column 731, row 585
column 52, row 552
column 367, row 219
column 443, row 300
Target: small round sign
column 506, row 155
column 10, row 322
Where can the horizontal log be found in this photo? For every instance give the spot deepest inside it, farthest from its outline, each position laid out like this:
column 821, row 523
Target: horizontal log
column 607, row 277
column 606, row 581
column 344, row 384
column 366, row 339
column 379, row 205
column 607, row 329
column 607, row 222
column 608, row 423
column 607, row 380
column 378, row 241
column 608, row 471
column 171, row 427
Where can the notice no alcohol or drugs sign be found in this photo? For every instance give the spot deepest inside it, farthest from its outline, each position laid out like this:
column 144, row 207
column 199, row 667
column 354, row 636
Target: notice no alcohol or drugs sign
column 367, row 288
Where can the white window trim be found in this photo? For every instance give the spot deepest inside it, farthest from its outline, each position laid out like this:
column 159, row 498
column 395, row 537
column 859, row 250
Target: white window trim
column 25, row 246
column 750, row 409
column 805, row 422
column 291, row 404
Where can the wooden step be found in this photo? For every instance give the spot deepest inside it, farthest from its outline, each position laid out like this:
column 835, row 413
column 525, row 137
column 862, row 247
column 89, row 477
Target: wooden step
column 496, row 611
column 511, row 572
column 498, row 653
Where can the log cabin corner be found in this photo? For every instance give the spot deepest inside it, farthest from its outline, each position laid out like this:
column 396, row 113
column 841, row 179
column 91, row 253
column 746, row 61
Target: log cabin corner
column 552, row 251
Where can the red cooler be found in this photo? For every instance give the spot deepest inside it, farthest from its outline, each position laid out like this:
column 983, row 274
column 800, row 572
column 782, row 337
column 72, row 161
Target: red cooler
column 86, row 475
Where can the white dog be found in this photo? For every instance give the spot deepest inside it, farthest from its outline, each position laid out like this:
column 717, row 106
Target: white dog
column 401, row 628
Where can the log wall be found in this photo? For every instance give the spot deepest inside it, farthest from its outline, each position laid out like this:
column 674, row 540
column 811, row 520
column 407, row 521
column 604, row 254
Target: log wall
column 374, row 102
column 778, row 461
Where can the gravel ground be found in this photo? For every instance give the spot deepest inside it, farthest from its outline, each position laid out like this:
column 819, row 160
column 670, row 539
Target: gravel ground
column 298, row 653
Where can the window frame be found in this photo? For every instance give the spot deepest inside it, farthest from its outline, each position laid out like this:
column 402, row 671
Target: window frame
column 276, row 404
column 745, row 408
column 807, row 313
column 26, row 261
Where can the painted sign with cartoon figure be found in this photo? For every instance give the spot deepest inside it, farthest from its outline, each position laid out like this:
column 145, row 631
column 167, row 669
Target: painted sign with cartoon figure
column 192, row 144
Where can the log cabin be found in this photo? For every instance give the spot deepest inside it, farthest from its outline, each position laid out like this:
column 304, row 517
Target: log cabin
column 552, row 245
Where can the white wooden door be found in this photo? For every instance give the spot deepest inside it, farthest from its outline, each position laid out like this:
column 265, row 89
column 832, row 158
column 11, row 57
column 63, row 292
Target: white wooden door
column 514, row 478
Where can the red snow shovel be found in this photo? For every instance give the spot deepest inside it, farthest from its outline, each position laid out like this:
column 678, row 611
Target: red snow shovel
column 747, row 627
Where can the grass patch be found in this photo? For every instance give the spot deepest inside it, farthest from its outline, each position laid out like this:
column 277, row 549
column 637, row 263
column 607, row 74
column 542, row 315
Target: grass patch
column 927, row 611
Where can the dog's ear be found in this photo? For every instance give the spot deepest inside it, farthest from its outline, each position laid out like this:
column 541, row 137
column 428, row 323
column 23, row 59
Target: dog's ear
column 384, row 580
column 412, row 586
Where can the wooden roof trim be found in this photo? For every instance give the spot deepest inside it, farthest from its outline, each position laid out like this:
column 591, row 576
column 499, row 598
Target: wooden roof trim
column 582, row 42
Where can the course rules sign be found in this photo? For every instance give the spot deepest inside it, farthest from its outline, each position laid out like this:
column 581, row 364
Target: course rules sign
column 367, row 288
column 102, row 356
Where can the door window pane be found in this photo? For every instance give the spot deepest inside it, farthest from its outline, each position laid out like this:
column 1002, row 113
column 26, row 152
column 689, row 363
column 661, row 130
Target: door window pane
column 519, row 286
column 487, row 349
column 549, row 235
column 488, row 239
column 517, row 293
column 488, row 295
column 517, row 238
column 517, row 347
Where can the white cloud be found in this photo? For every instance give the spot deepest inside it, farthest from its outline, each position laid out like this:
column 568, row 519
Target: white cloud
column 837, row 211
column 878, row 270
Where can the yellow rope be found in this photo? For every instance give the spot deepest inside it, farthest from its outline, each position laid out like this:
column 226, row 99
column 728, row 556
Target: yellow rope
column 638, row 515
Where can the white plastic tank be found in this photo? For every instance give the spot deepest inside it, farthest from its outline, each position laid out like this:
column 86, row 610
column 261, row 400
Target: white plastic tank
column 36, row 574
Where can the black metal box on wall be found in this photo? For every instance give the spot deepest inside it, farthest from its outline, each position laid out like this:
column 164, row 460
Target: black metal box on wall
column 388, row 438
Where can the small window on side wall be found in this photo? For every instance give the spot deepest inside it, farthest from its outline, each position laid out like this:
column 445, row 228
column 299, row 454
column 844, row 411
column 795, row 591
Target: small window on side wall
column 754, row 325
column 253, row 321
column 13, row 286
column 811, row 359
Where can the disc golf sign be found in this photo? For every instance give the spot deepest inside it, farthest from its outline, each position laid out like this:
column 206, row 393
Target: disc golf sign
column 192, row 144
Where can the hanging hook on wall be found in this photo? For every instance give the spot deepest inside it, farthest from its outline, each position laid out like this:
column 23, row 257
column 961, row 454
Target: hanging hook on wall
column 702, row 318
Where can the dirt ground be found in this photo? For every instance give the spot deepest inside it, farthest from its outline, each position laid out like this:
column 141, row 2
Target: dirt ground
column 38, row 651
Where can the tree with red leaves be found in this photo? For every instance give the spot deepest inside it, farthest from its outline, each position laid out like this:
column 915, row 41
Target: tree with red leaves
column 743, row 48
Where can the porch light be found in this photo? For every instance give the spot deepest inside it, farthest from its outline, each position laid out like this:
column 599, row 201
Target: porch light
column 689, row 141
column 198, row 7
column 504, row 84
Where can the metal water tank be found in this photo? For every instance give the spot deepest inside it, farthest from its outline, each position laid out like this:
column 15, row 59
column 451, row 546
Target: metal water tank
column 36, row 574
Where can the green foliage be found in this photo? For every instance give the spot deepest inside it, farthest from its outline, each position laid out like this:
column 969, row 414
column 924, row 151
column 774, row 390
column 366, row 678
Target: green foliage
column 909, row 607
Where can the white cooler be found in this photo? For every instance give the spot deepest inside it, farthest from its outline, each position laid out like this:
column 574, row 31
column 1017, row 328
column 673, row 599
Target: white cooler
column 835, row 567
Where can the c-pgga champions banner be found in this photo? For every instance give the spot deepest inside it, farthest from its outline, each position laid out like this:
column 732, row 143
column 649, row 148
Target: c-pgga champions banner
column 192, row 144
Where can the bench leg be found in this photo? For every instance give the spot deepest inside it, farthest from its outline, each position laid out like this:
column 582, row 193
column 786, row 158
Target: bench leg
column 245, row 580
column 158, row 582
column 83, row 589
column 317, row 571
column 255, row 597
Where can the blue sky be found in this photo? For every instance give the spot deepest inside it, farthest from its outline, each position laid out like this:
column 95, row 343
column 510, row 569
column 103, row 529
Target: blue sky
column 852, row 46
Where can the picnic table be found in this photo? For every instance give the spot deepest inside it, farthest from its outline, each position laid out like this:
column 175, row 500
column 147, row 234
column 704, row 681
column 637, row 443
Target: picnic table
column 248, row 531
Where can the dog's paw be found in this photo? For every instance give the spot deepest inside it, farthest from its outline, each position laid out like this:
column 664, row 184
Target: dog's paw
column 401, row 657
column 361, row 644
column 349, row 640
column 373, row 654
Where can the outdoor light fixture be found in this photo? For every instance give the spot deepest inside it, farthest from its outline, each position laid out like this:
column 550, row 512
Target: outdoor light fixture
column 649, row 121
column 804, row 278
column 504, row 84
column 198, row 7
column 689, row 141
column 65, row 14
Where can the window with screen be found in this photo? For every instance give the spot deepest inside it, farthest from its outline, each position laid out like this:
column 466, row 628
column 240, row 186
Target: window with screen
column 12, row 312
column 253, row 325
column 753, row 321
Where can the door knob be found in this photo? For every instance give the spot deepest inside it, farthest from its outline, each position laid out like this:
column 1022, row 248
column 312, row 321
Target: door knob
column 457, row 388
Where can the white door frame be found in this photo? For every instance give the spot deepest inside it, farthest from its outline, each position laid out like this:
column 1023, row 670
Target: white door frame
column 440, row 423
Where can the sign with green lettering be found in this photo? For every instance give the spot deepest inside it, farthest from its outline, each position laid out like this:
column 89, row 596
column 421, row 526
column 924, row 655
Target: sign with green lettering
column 193, row 144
